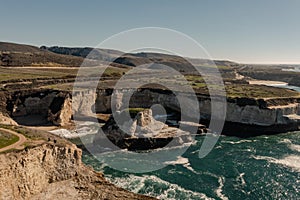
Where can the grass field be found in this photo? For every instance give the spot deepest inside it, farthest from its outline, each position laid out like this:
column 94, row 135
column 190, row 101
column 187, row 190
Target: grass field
column 111, row 74
column 9, row 74
column 7, row 139
column 19, row 73
column 243, row 90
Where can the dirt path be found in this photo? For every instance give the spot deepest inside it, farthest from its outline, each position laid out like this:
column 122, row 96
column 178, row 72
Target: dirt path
column 16, row 145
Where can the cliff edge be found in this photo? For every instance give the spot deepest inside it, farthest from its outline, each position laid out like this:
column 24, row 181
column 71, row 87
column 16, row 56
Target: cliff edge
column 51, row 171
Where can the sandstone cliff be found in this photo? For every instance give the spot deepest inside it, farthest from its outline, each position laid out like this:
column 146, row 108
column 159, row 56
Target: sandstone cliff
column 54, row 172
column 244, row 116
column 55, row 107
column 143, row 133
column 38, row 107
column 262, row 112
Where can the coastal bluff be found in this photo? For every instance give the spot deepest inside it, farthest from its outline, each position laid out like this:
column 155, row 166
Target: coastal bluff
column 245, row 116
column 50, row 171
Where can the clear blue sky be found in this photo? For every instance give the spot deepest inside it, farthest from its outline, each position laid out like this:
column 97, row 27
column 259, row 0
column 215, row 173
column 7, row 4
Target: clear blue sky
column 256, row 31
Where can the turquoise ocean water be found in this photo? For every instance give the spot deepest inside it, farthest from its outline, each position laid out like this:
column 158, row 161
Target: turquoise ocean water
column 263, row 167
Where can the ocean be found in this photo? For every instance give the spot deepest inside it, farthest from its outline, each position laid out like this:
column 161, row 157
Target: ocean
column 263, row 167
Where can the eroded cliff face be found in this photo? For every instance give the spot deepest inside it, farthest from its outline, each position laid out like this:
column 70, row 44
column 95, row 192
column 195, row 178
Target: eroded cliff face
column 240, row 110
column 255, row 115
column 144, row 98
column 60, row 112
column 259, row 112
column 56, row 106
column 38, row 107
column 25, row 174
column 143, row 133
column 54, row 172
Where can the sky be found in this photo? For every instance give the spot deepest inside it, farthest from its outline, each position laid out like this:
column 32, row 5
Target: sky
column 256, row 31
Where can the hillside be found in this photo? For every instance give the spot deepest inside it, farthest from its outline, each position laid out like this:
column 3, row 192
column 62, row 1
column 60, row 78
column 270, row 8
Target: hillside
column 84, row 52
column 12, row 54
column 13, row 47
column 181, row 64
column 135, row 59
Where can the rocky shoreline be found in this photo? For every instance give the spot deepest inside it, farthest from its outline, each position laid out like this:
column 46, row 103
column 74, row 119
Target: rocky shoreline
column 269, row 115
column 54, row 172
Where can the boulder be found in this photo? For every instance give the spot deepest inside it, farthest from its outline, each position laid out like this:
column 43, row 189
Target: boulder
column 143, row 133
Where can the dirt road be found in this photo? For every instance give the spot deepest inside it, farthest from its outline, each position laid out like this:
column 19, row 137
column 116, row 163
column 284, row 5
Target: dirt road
column 16, row 145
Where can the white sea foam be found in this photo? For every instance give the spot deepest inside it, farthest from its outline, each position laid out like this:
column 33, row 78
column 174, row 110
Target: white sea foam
column 241, row 179
column 238, row 142
column 291, row 161
column 295, row 147
column 179, row 161
column 219, row 190
column 171, row 191
column 240, row 183
column 286, row 141
column 182, row 161
column 251, row 149
column 84, row 131
column 292, row 146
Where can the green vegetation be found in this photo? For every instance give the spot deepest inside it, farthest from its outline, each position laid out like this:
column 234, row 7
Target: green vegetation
column 243, row 90
column 7, row 139
column 220, row 67
column 272, row 74
column 114, row 72
column 258, row 91
column 17, row 74
column 194, row 79
column 30, row 134
column 35, row 135
column 57, row 76
column 61, row 87
column 26, row 73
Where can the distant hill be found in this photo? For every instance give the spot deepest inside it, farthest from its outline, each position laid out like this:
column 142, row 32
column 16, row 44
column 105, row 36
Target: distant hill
column 13, row 47
column 184, row 65
column 84, row 52
column 12, row 54
column 134, row 60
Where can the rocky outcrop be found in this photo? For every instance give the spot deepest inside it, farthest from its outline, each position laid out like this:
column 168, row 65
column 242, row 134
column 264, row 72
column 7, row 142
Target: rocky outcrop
column 254, row 114
column 6, row 120
column 143, row 125
column 142, row 133
column 143, row 98
column 54, row 172
column 83, row 102
column 42, row 106
column 55, row 107
column 258, row 115
column 60, row 112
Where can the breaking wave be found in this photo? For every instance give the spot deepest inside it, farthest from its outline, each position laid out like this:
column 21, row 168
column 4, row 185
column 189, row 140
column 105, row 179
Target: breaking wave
column 159, row 188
